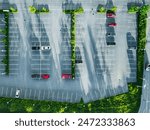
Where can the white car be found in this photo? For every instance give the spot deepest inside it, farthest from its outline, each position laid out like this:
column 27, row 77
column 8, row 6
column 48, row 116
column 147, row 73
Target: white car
column 45, row 48
column 3, row 73
column 17, row 93
column 148, row 67
column 3, row 50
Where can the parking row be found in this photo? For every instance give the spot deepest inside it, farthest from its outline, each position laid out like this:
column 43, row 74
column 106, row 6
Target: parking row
column 40, row 94
column 41, row 60
column 14, row 50
column 13, row 46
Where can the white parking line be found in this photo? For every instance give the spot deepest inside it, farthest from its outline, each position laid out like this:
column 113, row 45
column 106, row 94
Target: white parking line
column 25, row 93
column 30, row 93
column 48, row 94
column 39, row 94
column 11, row 92
column 43, row 94
column 2, row 91
column 6, row 91
column 34, row 93
column 53, row 95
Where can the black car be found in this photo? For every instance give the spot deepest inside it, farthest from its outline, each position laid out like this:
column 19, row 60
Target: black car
column 110, row 34
column 111, row 43
column 36, row 76
column 35, row 48
column 79, row 61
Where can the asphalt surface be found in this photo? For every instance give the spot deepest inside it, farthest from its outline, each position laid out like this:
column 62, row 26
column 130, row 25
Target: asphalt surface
column 105, row 70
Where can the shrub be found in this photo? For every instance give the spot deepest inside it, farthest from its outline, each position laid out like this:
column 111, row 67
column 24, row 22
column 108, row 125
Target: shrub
column 32, row 9
column 79, row 10
column 114, row 9
column 101, row 10
column 13, row 10
column 44, row 10
column 133, row 9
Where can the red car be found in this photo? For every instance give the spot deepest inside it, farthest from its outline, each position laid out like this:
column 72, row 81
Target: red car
column 110, row 15
column 66, row 76
column 45, row 76
column 112, row 24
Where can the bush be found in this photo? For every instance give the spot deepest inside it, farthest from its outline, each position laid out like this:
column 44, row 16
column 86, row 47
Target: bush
column 3, row 31
column 79, row 10
column 43, row 10
column 133, row 9
column 32, row 9
column 101, row 10
column 13, row 10
column 114, row 9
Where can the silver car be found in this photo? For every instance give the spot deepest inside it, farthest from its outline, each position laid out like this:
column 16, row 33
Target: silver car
column 17, row 93
column 45, row 48
column 148, row 67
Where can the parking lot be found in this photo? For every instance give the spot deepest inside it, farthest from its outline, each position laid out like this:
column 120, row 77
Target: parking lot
column 102, row 70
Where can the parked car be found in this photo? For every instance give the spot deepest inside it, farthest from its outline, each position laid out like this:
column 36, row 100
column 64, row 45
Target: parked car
column 36, row 76
column 45, row 76
column 40, row 76
column 17, row 93
column 3, row 50
column 36, row 48
column 66, row 76
column 79, row 61
column 111, row 43
column 45, row 48
column 110, row 15
column 3, row 73
column 132, row 47
column 112, row 24
column 147, row 67
column 110, row 34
